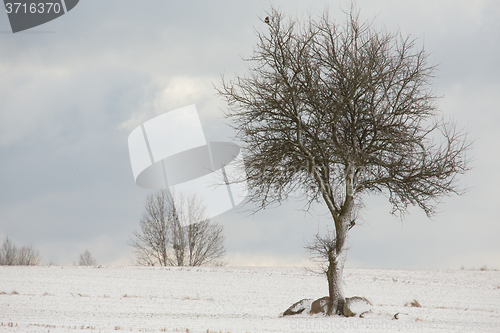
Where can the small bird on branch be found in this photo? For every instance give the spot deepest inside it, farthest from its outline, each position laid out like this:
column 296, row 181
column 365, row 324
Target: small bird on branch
column 266, row 20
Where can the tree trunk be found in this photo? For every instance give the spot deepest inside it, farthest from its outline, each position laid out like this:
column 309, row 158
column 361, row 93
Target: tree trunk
column 336, row 260
column 335, row 271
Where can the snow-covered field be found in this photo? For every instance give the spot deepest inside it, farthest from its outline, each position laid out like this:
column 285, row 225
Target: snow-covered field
column 239, row 299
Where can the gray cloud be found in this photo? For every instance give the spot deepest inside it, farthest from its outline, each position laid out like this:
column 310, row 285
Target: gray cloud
column 69, row 99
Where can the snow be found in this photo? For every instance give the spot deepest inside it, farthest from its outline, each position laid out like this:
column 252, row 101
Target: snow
column 240, row 299
column 356, row 305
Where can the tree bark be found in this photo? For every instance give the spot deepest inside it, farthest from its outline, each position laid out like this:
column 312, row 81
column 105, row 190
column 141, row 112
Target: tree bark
column 336, row 264
column 336, row 261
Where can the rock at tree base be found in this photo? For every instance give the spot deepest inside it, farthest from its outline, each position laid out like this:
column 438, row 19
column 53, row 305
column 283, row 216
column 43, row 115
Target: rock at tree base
column 353, row 306
column 298, row 307
column 356, row 306
column 320, row 305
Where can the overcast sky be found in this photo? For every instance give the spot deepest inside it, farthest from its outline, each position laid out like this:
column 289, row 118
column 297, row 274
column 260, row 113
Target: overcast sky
column 72, row 90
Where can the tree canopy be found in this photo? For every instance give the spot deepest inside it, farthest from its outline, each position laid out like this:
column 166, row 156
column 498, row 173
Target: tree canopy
column 326, row 103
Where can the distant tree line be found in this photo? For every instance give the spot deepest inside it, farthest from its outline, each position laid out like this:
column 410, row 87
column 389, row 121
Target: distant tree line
column 25, row 256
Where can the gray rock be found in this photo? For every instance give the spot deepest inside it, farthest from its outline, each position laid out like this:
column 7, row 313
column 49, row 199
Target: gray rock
column 298, row 307
column 356, row 306
column 320, row 305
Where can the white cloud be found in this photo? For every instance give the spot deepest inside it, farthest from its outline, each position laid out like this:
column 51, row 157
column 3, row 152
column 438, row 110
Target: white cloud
column 182, row 91
column 179, row 91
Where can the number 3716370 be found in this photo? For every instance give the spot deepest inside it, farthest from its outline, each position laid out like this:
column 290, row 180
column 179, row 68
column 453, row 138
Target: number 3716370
column 33, row 8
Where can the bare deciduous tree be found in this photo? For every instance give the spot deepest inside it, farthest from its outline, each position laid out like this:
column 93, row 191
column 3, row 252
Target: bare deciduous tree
column 340, row 110
column 11, row 255
column 177, row 235
column 28, row 256
column 8, row 254
column 86, row 259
